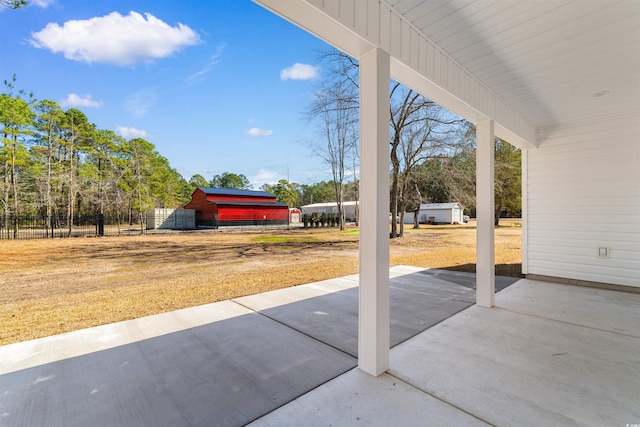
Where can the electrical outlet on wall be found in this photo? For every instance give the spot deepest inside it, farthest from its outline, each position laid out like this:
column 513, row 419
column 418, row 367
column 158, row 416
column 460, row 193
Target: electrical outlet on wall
column 604, row 252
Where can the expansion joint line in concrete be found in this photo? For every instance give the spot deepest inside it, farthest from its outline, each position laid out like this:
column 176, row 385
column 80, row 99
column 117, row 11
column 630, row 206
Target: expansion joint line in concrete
column 565, row 322
column 441, row 399
column 294, row 329
column 306, row 335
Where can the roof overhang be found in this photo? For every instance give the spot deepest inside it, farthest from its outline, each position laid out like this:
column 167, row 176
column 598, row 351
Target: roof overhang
column 529, row 66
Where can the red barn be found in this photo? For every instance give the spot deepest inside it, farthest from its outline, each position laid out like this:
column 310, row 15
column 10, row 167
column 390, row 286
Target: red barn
column 222, row 206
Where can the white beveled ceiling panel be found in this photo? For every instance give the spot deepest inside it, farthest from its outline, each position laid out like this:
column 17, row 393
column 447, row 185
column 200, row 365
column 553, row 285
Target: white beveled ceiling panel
column 554, row 61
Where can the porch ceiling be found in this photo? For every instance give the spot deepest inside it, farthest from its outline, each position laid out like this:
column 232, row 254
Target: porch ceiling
column 553, row 62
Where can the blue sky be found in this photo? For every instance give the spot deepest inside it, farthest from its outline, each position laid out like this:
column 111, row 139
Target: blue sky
column 217, row 86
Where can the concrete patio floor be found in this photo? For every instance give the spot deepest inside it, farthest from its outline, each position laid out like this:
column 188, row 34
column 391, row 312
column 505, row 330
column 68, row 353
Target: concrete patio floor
column 548, row 354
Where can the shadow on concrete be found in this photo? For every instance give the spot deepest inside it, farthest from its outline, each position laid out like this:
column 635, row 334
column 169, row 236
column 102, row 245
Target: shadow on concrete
column 467, row 279
column 228, row 372
column 506, row 270
column 225, row 373
column 416, row 304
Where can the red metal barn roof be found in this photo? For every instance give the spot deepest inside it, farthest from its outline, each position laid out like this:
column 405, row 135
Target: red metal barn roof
column 215, row 194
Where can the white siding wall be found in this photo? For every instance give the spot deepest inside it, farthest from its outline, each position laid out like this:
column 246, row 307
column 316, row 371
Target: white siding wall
column 583, row 188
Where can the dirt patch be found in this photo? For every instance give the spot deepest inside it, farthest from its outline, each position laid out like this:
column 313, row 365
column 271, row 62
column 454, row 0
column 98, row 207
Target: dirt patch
column 54, row 286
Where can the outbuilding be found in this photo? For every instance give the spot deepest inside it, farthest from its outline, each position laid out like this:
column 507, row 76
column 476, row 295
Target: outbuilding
column 295, row 216
column 224, row 207
column 349, row 209
column 171, row 219
column 437, row 213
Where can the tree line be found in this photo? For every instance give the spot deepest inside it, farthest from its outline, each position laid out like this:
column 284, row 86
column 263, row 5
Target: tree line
column 57, row 164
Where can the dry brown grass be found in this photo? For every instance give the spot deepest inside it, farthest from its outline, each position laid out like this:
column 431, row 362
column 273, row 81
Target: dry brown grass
column 53, row 286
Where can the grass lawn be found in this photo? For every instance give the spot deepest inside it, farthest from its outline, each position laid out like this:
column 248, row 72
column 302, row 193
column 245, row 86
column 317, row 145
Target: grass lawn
column 53, row 286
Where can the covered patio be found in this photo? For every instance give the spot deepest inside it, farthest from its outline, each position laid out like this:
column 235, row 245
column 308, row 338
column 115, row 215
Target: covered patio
column 561, row 80
column 558, row 79
column 289, row 357
column 539, row 358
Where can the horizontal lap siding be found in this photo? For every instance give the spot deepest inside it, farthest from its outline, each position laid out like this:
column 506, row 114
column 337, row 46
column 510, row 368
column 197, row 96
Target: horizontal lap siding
column 583, row 192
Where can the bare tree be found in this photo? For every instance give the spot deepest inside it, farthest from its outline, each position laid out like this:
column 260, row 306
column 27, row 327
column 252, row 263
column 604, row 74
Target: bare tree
column 450, row 176
column 420, row 130
column 336, row 108
column 403, row 115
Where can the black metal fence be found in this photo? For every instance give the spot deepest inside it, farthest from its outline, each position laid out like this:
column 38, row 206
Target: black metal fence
column 41, row 227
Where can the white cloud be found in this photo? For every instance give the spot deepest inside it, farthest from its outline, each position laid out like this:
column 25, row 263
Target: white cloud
column 259, row 132
column 130, row 133
column 300, row 72
column 115, row 39
column 42, row 3
column 74, row 100
column 139, row 103
column 265, row 176
column 210, row 65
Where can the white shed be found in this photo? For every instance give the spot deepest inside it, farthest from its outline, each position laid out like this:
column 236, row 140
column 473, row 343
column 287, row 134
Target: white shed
column 437, row 213
column 331, row 208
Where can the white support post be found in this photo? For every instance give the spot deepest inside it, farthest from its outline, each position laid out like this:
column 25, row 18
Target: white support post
column 373, row 328
column 525, row 211
column 485, row 206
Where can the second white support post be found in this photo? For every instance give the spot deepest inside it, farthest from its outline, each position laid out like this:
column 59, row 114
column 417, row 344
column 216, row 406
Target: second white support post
column 373, row 320
column 485, row 240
